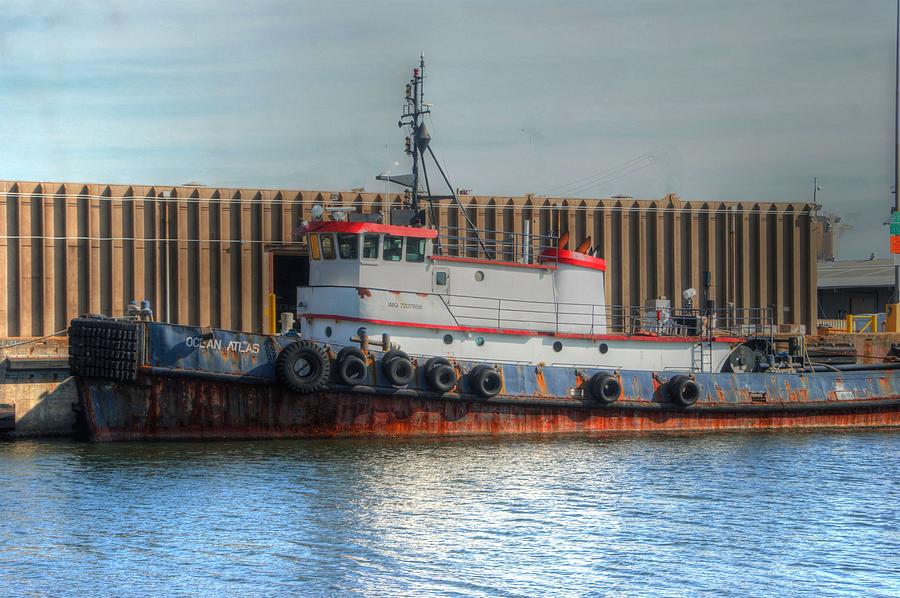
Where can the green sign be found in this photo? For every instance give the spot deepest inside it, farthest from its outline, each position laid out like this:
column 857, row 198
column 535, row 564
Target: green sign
column 895, row 223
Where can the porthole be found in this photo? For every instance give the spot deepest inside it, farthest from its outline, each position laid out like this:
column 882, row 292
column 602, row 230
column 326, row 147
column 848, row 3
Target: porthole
column 603, row 348
column 479, row 341
column 557, row 346
column 328, row 331
column 448, row 338
column 479, row 275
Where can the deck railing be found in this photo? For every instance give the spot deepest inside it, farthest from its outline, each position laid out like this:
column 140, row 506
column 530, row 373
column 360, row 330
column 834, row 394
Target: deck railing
column 580, row 318
column 495, row 245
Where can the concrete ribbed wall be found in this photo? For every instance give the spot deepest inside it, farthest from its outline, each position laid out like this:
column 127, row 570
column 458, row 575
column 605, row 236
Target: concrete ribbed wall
column 72, row 248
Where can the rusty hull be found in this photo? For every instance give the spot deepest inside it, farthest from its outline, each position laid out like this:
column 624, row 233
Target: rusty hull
column 167, row 408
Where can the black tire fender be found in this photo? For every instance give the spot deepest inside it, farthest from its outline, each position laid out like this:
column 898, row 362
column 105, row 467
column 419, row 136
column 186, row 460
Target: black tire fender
column 350, row 351
column 398, row 368
column 603, row 387
column 303, row 367
column 390, row 355
column 682, row 390
column 439, row 374
column 434, row 361
column 351, row 370
column 485, row 381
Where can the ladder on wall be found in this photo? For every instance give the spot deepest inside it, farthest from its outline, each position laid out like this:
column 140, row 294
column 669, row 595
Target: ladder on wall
column 701, row 352
column 701, row 356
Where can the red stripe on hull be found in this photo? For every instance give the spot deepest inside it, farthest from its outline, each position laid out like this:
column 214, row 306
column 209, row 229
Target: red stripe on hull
column 170, row 409
column 519, row 332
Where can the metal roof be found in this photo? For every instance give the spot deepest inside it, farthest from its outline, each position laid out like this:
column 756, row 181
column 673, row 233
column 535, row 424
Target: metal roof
column 856, row 273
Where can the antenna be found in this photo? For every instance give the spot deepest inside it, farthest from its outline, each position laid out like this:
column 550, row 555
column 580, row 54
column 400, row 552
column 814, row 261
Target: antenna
column 419, row 137
column 417, row 143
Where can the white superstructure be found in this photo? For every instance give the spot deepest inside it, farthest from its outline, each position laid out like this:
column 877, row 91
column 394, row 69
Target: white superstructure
column 388, row 280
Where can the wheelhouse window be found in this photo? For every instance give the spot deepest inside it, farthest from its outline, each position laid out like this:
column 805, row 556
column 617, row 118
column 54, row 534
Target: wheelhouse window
column 327, row 246
column 348, row 246
column 370, row 247
column 415, row 250
column 314, row 246
column 393, row 248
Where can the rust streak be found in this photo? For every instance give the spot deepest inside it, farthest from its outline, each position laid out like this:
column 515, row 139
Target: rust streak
column 580, row 379
column 541, row 383
column 175, row 408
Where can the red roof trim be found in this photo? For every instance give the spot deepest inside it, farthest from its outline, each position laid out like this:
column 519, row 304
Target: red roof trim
column 518, row 332
column 573, row 258
column 471, row 260
column 369, row 227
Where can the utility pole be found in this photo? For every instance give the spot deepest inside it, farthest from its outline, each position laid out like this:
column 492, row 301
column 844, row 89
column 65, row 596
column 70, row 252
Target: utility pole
column 896, row 206
column 892, row 312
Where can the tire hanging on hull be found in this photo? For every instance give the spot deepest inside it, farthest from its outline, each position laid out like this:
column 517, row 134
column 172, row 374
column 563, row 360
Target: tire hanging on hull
column 682, row 390
column 485, row 381
column 303, row 367
column 397, row 368
column 440, row 375
column 351, row 366
column 603, row 387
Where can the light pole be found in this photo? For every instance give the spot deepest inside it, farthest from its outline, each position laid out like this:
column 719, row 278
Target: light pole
column 896, row 206
column 816, row 187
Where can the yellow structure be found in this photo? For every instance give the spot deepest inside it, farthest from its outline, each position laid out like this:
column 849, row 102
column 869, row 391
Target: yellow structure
column 892, row 318
column 871, row 323
column 272, row 316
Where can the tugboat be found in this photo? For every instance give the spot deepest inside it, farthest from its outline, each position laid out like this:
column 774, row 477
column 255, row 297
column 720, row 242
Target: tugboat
column 400, row 337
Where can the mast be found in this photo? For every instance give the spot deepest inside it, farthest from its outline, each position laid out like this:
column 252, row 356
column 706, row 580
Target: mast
column 413, row 114
column 417, row 143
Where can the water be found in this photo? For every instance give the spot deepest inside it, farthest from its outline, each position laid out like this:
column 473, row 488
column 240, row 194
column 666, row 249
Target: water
column 739, row 514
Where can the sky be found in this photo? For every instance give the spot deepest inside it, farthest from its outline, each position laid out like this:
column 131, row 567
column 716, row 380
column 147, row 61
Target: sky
column 709, row 99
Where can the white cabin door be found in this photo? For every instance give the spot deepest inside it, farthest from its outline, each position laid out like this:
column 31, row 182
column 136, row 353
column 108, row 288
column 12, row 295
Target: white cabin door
column 440, row 283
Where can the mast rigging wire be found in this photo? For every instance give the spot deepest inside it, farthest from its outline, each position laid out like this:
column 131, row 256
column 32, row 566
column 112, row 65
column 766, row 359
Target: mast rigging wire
column 586, row 181
column 459, row 203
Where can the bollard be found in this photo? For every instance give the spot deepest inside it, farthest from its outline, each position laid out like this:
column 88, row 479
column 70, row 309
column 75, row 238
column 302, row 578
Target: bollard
column 287, row 321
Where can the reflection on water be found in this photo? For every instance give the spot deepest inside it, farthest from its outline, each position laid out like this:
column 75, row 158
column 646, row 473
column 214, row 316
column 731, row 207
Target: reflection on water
column 738, row 514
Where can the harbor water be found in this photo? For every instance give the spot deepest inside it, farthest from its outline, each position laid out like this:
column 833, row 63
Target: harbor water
column 733, row 514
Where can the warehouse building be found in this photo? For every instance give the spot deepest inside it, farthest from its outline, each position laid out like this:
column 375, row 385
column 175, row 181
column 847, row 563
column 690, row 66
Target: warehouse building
column 854, row 287
column 212, row 256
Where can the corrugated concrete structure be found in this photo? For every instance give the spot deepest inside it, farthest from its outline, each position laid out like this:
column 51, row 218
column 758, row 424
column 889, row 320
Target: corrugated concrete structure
column 210, row 256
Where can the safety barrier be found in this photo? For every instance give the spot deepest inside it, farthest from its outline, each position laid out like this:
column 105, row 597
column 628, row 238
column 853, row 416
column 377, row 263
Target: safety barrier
column 862, row 323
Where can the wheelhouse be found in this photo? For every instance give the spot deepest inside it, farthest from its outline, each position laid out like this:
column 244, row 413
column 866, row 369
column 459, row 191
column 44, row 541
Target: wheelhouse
column 369, row 241
column 350, row 253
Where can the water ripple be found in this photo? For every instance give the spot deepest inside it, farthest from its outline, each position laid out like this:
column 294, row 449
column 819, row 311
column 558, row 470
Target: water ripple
column 757, row 514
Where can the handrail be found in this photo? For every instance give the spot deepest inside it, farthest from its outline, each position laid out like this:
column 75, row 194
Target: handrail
column 634, row 320
column 507, row 246
column 590, row 318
